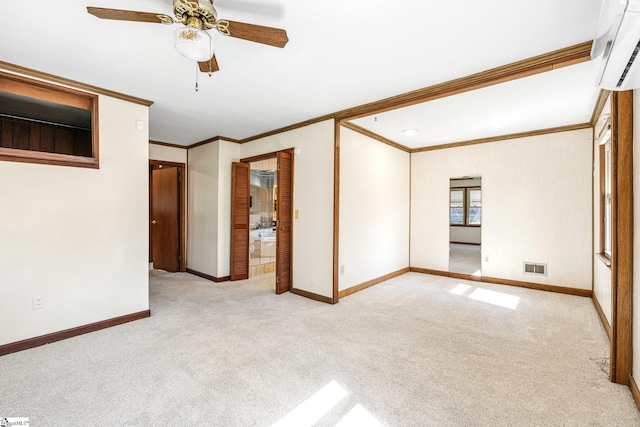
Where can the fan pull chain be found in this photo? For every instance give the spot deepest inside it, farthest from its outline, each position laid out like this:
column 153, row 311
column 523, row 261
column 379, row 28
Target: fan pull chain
column 197, row 76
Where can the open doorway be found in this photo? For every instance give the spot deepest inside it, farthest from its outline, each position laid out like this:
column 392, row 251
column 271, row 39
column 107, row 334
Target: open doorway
column 263, row 201
column 269, row 228
column 465, row 226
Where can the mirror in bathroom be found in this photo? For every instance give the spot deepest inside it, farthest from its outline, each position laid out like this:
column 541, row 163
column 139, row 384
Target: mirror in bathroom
column 262, row 217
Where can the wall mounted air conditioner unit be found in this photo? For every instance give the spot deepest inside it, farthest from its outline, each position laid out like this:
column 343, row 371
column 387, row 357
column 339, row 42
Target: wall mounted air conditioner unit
column 618, row 40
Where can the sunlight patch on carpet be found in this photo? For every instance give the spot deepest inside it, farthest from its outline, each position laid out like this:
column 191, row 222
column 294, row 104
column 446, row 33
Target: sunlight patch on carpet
column 358, row 417
column 460, row 289
column 496, row 298
column 315, row 407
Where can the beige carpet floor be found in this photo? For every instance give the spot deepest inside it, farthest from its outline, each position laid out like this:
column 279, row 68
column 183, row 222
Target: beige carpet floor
column 417, row 350
column 465, row 259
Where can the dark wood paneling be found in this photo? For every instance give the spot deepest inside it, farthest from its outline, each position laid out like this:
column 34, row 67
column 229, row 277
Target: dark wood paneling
column 6, row 138
column 32, row 136
column 63, row 141
column 38, row 140
column 47, row 139
column 68, row 333
column 21, row 138
column 27, row 156
column 82, row 143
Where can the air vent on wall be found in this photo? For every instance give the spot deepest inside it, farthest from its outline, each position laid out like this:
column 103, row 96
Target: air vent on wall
column 535, row 268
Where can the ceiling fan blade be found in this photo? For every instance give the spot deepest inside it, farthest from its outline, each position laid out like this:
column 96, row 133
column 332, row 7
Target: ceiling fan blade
column 257, row 33
column 129, row 15
column 210, row 66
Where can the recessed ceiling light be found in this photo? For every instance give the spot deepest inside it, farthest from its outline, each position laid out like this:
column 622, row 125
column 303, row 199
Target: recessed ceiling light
column 409, row 132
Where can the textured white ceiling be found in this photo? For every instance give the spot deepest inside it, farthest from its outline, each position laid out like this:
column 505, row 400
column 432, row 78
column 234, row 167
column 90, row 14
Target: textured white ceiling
column 341, row 54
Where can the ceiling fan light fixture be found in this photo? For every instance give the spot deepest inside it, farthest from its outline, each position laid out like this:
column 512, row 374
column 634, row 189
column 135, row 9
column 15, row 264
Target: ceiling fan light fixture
column 193, row 43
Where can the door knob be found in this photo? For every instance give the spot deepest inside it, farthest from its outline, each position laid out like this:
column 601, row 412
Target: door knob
column 153, row 221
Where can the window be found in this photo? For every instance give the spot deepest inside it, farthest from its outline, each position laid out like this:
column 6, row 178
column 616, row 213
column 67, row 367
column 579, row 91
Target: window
column 465, row 206
column 605, row 194
column 474, row 213
column 45, row 123
column 456, row 216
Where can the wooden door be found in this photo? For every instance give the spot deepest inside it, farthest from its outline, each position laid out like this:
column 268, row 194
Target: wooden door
column 165, row 218
column 285, row 215
column 240, row 192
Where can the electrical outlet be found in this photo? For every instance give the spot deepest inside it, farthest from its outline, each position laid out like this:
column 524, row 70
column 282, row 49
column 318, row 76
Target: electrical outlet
column 296, row 214
column 342, row 269
column 37, row 303
column 486, row 258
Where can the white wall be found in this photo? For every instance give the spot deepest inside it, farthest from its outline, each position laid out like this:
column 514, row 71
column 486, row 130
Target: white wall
column 312, row 197
column 601, row 272
column 465, row 234
column 636, row 236
column 229, row 152
column 202, row 209
column 374, row 209
column 167, row 154
column 536, row 195
column 77, row 237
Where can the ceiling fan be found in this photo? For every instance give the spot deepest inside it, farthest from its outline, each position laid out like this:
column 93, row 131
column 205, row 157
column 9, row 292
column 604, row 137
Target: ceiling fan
column 193, row 41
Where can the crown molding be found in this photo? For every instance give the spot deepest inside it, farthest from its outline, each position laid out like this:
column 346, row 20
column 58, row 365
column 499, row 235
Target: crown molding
column 516, row 70
column 375, row 136
column 504, row 137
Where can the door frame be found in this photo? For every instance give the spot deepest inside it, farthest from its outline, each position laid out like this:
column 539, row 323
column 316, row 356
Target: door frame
column 182, row 189
column 271, row 155
column 622, row 218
